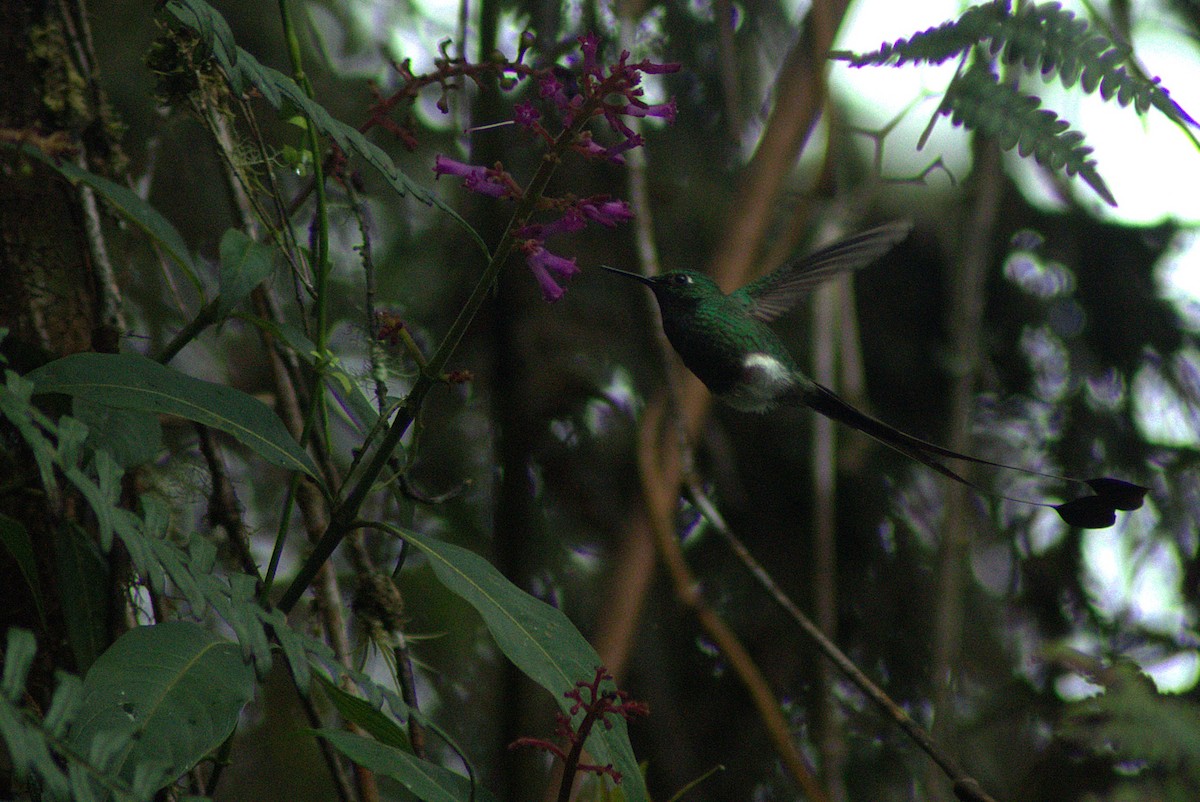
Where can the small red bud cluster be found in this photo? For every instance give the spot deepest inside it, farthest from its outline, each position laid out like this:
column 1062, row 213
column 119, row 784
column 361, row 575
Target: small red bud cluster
column 598, row 706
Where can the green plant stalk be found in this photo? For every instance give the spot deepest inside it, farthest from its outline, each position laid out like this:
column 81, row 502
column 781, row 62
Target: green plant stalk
column 289, row 503
column 203, row 319
column 317, row 410
column 343, row 516
column 321, row 251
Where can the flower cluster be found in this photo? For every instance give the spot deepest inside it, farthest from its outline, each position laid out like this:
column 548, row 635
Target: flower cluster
column 575, row 96
column 389, row 327
column 598, row 706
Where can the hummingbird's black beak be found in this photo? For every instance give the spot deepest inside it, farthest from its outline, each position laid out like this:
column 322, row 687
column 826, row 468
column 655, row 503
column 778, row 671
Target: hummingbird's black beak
column 626, row 273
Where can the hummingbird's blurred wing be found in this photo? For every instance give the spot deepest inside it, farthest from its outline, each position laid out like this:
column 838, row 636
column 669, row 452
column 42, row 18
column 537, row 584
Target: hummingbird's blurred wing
column 779, row 291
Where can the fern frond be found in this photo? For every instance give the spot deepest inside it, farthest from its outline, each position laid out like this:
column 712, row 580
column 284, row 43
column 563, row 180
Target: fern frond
column 1047, row 38
column 979, row 100
column 61, row 449
column 935, row 45
column 1041, row 37
column 1133, row 721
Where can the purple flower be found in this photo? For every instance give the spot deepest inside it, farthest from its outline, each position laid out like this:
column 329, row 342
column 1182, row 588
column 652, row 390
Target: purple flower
column 589, row 44
column 444, row 165
column 483, row 180
column 665, row 111
column 526, row 115
column 549, row 269
column 550, row 89
column 612, row 115
column 657, row 69
column 570, row 222
column 631, row 142
column 607, row 213
column 587, row 146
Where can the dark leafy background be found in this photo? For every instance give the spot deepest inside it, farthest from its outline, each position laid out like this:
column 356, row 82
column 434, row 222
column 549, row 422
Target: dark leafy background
column 540, row 445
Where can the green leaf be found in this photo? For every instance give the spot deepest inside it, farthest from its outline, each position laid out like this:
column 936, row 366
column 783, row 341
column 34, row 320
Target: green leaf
column 978, row 99
column 19, row 650
column 131, row 436
column 16, row 541
column 244, row 264
column 243, row 617
column 129, row 381
column 537, row 638
column 163, row 697
column 64, row 705
column 83, row 578
column 15, row 405
column 373, row 720
column 430, row 782
column 130, row 206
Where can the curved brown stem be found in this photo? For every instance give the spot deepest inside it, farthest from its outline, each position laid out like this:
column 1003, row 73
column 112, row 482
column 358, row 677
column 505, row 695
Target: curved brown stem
column 966, row 788
column 661, row 471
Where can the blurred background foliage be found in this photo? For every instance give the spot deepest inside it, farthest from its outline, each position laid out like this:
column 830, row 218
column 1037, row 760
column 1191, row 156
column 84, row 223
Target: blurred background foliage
column 1083, row 367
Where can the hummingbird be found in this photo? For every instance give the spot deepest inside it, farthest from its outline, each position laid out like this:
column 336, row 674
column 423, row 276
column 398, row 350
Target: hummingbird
column 724, row 339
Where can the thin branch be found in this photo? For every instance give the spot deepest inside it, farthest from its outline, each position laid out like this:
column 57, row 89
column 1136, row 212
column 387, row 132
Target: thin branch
column 408, row 692
column 224, row 509
column 659, row 462
column 966, row 788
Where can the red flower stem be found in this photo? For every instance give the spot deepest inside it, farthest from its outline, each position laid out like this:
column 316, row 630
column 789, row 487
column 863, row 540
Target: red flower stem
column 571, row 764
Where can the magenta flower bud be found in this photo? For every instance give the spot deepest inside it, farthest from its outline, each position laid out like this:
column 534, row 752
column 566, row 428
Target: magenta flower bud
column 657, row 69
column 665, row 111
column 548, row 269
column 607, row 213
column 475, row 178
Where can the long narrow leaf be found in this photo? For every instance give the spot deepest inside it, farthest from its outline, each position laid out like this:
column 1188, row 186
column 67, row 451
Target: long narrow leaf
column 429, row 782
column 537, row 638
column 129, row 205
column 129, row 381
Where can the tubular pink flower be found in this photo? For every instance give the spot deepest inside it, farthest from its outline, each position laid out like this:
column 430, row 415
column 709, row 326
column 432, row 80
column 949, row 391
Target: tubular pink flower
column 634, row 141
column 664, row 111
column 607, row 213
column 570, row 222
column 444, row 165
column 587, row 146
column 549, row 269
column 550, row 88
column 589, row 44
column 475, row 178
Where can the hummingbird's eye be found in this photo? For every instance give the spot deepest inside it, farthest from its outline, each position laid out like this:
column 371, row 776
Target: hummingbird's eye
column 682, row 279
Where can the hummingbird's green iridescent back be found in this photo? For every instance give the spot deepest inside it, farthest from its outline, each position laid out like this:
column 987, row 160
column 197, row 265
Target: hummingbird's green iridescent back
column 738, row 358
column 724, row 339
